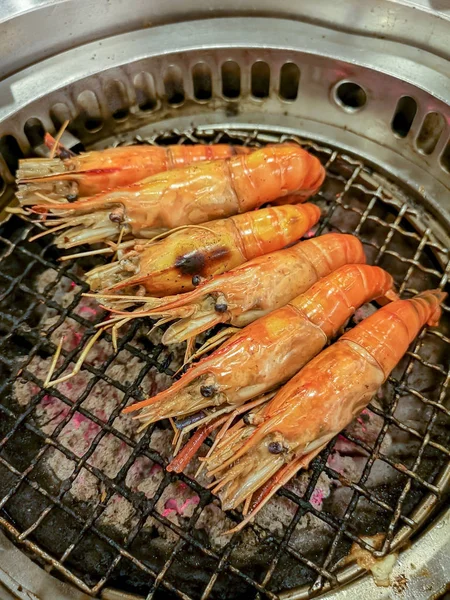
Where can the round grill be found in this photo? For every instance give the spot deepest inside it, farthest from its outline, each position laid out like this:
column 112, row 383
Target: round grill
column 87, row 496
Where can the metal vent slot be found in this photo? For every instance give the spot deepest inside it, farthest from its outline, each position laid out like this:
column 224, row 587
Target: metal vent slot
column 11, row 152
column 117, row 100
column 35, row 131
column 173, row 84
column 289, row 81
column 202, row 81
column 350, row 96
column 145, row 91
column 260, row 79
column 91, row 115
column 231, row 79
column 430, row 132
column 404, row 116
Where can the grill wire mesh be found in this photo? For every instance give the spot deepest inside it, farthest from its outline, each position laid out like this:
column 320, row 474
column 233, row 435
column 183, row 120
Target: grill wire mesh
column 69, row 538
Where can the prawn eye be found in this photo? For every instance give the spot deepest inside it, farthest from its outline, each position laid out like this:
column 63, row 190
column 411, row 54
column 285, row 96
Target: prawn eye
column 116, row 216
column 207, row 391
column 221, row 307
column 71, row 197
column 196, row 280
column 275, row 448
column 65, row 154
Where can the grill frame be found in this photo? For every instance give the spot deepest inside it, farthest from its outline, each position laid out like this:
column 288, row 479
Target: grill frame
column 303, row 504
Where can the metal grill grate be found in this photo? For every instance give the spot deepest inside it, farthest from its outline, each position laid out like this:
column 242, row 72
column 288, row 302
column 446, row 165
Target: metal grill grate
column 174, row 557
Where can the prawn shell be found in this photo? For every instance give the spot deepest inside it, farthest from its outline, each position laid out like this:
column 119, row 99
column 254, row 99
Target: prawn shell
column 261, row 285
column 387, row 333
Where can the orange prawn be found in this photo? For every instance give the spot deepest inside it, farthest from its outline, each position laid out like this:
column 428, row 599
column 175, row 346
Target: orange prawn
column 187, row 195
column 168, row 266
column 316, row 404
column 271, row 350
column 248, row 292
column 99, row 170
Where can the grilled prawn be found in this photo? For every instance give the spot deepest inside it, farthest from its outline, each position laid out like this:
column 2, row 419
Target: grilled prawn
column 252, row 290
column 316, row 404
column 99, row 170
column 272, row 349
column 187, row 195
column 169, row 265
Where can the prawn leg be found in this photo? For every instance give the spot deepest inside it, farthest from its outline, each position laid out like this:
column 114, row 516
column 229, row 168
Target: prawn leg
column 274, row 484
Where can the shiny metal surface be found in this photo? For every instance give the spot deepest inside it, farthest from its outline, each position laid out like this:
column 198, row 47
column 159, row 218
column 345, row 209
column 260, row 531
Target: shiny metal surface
column 421, row 571
column 22, row 579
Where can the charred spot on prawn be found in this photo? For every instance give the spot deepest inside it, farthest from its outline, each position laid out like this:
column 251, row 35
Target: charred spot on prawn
column 194, row 263
column 191, row 263
column 208, row 391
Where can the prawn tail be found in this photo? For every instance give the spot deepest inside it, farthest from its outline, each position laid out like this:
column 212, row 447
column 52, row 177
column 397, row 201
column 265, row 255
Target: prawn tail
column 431, row 301
column 387, row 333
column 387, row 297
